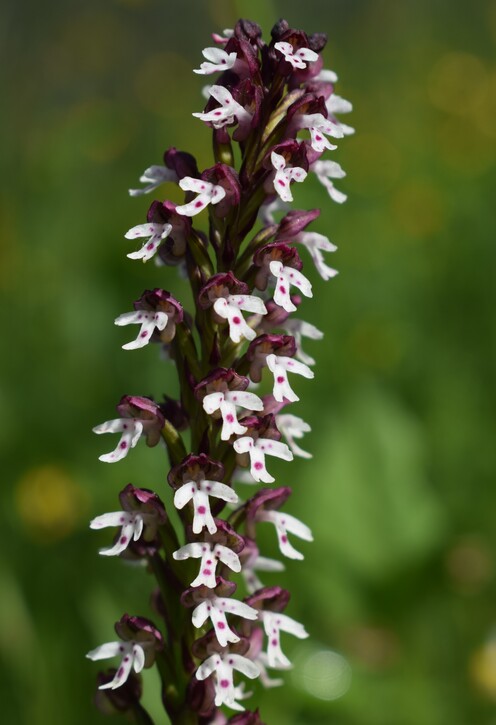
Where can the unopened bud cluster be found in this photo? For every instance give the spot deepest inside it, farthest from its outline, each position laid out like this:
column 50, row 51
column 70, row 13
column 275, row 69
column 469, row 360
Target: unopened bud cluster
column 241, row 255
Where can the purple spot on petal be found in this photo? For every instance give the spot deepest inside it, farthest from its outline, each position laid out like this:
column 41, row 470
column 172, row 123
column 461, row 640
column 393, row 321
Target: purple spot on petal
column 282, row 289
column 198, row 204
column 236, row 320
column 123, row 445
column 230, row 418
column 224, row 683
column 280, row 379
column 144, row 333
column 284, row 539
column 258, row 466
column 123, row 540
column 207, row 572
column 274, row 642
column 201, row 509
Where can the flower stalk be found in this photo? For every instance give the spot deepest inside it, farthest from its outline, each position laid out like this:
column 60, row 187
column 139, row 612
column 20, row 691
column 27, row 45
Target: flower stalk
column 215, row 619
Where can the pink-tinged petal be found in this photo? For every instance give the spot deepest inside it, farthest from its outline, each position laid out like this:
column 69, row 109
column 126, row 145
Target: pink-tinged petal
column 189, row 183
column 194, row 207
column 243, row 445
column 306, row 54
column 278, row 161
column 240, row 609
column 230, row 424
column 284, row 48
column 287, row 624
column 212, row 402
column 293, row 366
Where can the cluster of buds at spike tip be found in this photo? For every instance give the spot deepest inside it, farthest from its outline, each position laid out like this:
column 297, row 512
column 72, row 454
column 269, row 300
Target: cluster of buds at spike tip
column 240, row 360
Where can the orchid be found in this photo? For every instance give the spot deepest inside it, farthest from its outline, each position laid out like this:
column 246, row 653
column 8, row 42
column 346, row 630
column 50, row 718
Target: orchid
column 237, row 350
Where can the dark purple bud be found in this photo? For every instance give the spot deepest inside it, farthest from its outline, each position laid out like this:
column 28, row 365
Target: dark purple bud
column 274, row 252
column 220, row 381
column 317, row 42
column 221, row 285
column 294, row 152
column 123, row 698
column 250, row 96
column 269, row 599
column 143, row 500
column 266, row 345
column 158, row 300
column 278, row 30
column 295, row 222
column 146, row 411
column 175, row 413
column 248, row 30
column 195, row 468
column 247, row 63
column 200, row 696
column 181, row 162
column 246, row 718
column 225, row 176
column 276, row 316
column 261, row 427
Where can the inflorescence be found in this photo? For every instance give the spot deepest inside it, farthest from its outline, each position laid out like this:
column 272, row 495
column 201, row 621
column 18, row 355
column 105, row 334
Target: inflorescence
column 276, row 102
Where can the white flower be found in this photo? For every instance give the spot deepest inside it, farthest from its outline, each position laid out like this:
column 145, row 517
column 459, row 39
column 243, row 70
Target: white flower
column 287, row 276
column 284, row 523
column 267, row 211
column 199, row 492
column 217, row 60
column 326, row 76
column 296, row 58
column 215, row 609
column 131, row 430
column 226, row 402
column 316, row 244
column 258, row 563
column 229, row 309
column 279, row 366
column 319, row 128
column 257, row 450
column 148, row 321
column 131, row 528
column 299, row 329
column 228, row 112
column 284, row 176
column 336, row 104
column 274, row 623
column 325, row 171
column 223, row 666
column 154, row 176
column 155, row 233
column 133, row 657
column 207, row 194
column 209, row 555
column 293, row 427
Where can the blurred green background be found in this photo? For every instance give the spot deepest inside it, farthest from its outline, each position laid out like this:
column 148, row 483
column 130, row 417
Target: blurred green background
column 398, row 591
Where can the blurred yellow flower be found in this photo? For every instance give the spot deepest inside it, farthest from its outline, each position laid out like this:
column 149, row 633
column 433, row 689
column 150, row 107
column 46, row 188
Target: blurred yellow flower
column 49, row 502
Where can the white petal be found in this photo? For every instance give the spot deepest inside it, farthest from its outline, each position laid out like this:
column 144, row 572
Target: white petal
column 293, row 366
column 201, row 614
column 243, row 445
column 115, row 518
column 194, row 551
column 207, row 667
column 219, row 490
column 212, row 401
column 245, row 399
column 296, row 527
column 122, row 542
column 248, row 303
column 121, row 675
column 194, row 207
column 146, row 230
column 286, row 624
column 184, row 494
column 228, row 557
column 245, row 666
column 139, row 658
column 233, row 606
column 107, row 650
column 275, row 448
